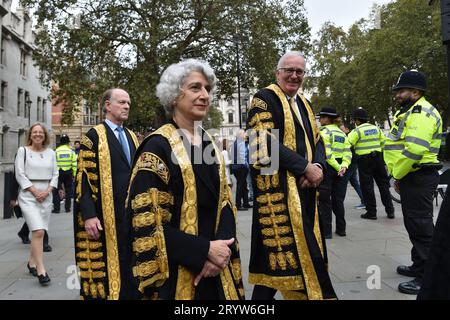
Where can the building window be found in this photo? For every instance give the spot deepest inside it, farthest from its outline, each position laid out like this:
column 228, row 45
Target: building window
column 230, row 102
column 244, row 117
column 19, row 102
column 44, row 110
column 38, row 106
column 230, row 117
column 27, row 105
column 3, row 95
column 23, row 63
column 230, row 132
column 3, row 52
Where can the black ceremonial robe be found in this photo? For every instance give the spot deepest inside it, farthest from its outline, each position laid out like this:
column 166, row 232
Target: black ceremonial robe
column 288, row 250
column 102, row 180
column 177, row 208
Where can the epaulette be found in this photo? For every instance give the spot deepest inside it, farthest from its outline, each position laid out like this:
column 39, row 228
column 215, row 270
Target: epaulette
column 417, row 109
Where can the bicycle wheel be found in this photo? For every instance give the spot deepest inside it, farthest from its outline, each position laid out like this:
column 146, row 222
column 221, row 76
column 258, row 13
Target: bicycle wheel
column 394, row 195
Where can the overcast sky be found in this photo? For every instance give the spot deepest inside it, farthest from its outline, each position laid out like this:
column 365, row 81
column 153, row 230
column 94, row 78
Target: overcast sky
column 342, row 12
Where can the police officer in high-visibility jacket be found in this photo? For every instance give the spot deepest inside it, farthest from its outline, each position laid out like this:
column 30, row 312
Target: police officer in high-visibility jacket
column 66, row 160
column 410, row 153
column 368, row 141
column 334, row 185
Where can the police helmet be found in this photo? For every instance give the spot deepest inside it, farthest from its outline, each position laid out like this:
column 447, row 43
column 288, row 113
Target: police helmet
column 360, row 114
column 411, row 79
column 328, row 112
column 64, row 139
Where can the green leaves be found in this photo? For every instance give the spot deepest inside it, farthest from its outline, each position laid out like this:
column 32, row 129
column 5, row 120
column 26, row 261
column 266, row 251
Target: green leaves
column 128, row 43
column 358, row 68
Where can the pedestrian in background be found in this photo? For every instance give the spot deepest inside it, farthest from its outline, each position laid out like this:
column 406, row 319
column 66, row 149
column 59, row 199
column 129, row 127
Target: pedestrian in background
column 333, row 189
column 66, row 160
column 368, row 141
column 352, row 172
column 37, row 175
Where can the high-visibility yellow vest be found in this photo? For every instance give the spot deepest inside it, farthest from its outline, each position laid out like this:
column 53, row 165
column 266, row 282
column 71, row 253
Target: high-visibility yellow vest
column 336, row 146
column 414, row 139
column 66, row 158
column 366, row 138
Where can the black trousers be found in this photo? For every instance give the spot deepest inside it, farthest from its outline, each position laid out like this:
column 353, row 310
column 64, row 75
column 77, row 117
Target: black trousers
column 241, row 186
column 24, row 232
column 370, row 168
column 352, row 176
column 332, row 193
column 65, row 178
column 416, row 192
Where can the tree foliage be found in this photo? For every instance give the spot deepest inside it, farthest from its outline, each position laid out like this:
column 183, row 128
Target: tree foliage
column 358, row 68
column 128, row 43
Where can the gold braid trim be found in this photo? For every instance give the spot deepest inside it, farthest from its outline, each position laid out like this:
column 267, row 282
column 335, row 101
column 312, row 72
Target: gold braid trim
column 153, row 197
column 275, row 208
column 147, row 219
column 265, row 198
column 270, row 232
column 291, row 259
column 279, row 283
column 144, row 244
column 149, row 268
column 91, row 265
column 258, row 103
column 89, row 255
column 89, row 245
column 269, row 221
column 259, row 117
column 86, row 142
column 92, row 274
column 108, row 213
column 272, row 243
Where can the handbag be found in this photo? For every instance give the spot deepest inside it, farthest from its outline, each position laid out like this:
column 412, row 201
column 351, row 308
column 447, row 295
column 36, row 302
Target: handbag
column 15, row 187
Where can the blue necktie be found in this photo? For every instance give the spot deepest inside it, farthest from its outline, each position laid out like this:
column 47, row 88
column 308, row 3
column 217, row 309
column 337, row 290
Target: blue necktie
column 122, row 142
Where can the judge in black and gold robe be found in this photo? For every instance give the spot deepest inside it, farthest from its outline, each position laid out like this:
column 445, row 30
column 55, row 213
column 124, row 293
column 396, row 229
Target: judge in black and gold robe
column 102, row 246
column 183, row 220
column 287, row 156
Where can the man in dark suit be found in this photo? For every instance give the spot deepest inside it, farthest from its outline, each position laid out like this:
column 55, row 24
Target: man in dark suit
column 103, row 249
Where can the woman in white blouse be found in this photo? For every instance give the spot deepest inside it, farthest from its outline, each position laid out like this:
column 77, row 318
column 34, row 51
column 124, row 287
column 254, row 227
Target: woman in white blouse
column 37, row 175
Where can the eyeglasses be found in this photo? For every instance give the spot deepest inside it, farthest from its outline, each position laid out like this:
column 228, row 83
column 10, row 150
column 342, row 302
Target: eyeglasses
column 290, row 71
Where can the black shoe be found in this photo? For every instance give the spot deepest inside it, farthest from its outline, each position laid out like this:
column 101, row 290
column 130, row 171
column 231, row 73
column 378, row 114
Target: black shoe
column 407, row 271
column 391, row 215
column 44, row 280
column 368, row 216
column 47, row 248
column 328, row 236
column 55, row 211
column 25, row 239
column 248, row 206
column 242, row 209
column 341, row 233
column 410, row 287
column 67, row 210
column 32, row 270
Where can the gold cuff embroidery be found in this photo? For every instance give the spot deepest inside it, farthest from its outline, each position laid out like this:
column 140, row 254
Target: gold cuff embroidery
column 258, row 103
column 148, row 268
column 257, row 118
column 151, row 162
column 144, row 244
column 86, row 142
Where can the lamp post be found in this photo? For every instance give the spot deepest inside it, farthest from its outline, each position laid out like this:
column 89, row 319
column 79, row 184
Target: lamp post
column 238, row 72
column 28, row 106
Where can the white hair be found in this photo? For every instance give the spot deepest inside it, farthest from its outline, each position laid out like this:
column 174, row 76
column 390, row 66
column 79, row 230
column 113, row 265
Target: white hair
column 172, row 79
column 287, row 55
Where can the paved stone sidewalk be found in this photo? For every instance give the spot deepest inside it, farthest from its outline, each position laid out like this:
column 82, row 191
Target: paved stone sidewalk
column 382, row 244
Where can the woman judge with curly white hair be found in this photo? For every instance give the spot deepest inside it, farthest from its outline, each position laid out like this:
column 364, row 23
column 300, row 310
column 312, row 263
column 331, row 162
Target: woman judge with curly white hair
column 183, row 219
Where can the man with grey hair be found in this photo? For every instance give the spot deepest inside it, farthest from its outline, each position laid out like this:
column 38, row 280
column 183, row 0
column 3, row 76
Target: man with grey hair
column 288, row 250
column 102, row 246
